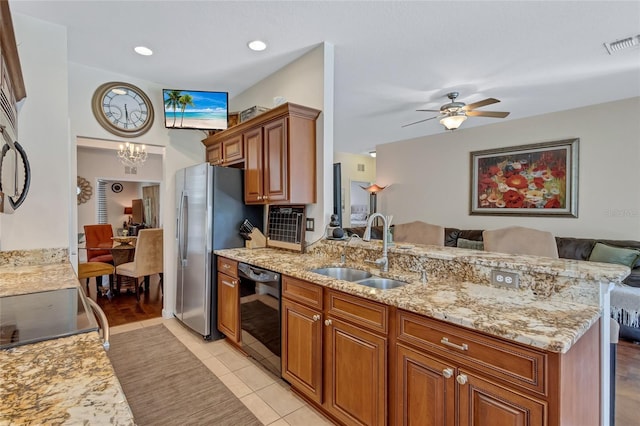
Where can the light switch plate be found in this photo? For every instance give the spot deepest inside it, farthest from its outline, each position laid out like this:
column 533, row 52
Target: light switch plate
column 505, row 279
column 310, row 224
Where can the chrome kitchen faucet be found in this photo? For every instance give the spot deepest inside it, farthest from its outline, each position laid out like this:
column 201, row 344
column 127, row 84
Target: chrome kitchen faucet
column 382, row 262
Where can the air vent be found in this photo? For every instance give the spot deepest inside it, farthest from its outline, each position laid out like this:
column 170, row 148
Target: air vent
column 619, row 45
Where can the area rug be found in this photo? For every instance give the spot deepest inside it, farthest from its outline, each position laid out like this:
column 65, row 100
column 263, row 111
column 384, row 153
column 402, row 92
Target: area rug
column 165, row 384
column 263, row 323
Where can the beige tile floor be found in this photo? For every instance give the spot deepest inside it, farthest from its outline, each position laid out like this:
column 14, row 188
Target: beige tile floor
column 268, row 397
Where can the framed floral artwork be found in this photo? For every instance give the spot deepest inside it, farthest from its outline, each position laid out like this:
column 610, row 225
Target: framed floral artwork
column 527, row 180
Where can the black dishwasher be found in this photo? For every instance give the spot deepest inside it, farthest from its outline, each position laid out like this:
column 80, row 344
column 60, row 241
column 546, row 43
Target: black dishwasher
column 260, row 292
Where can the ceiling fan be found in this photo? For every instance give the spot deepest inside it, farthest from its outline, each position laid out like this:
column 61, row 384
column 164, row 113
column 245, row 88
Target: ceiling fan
column 454, row 113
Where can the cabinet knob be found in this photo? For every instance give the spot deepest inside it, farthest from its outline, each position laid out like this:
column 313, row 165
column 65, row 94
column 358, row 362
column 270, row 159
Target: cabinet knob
column 327, row 322
column 259, row 197
column 462, row 379
column 266, row 197
column 316, row 317
column 447, row 373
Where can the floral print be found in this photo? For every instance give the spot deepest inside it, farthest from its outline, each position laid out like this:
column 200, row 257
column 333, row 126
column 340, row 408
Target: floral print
column 523, row 180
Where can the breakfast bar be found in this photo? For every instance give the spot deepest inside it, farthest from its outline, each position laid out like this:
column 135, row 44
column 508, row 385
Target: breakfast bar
column 364, row 350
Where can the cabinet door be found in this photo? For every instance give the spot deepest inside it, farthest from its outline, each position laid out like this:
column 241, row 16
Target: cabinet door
column 233, row 151
column 483, row 403
column 214, row 153
column 302, row 349
column 356, row 374
column 276, row 176
column 253, row 173
column 228, row 307
column 425, row 390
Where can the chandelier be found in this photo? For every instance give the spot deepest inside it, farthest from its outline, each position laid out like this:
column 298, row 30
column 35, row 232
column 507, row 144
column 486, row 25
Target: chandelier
column 132, row 155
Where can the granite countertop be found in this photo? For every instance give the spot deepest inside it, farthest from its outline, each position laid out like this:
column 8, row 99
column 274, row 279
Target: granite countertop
column 64, row 380
column 547, row 322
column 34, row 278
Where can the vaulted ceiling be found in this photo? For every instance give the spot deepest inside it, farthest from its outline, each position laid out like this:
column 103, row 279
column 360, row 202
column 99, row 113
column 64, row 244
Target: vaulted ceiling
column 391, row 57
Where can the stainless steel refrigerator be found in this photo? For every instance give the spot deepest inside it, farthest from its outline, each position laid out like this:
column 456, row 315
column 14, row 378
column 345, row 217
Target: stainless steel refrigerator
column 210, row 202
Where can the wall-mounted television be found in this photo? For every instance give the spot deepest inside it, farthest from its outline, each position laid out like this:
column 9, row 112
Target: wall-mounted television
column 195, row 109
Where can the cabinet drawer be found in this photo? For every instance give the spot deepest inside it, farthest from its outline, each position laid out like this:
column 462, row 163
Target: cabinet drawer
column 366, row 313
column 228, row 266
column 302, row 291
column 497, row 358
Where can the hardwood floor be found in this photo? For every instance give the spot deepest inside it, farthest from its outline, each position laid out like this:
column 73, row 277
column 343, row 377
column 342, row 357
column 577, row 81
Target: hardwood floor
column 124, row 309
column 627, row 383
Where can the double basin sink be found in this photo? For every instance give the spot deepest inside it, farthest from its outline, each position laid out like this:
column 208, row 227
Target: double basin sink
column 360, row 277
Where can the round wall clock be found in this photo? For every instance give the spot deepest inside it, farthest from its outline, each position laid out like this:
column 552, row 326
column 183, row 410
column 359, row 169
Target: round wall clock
column 122, row 109
column 116, row 187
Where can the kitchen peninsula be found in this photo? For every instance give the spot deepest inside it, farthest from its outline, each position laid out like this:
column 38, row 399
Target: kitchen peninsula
column 63, row 380
column 528, row 356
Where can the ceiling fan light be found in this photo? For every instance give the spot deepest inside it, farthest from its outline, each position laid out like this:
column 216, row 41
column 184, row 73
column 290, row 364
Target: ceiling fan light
column 452, row 122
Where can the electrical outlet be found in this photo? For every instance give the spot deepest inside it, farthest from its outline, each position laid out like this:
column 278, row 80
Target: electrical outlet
column 505, row 279
column 310, row 224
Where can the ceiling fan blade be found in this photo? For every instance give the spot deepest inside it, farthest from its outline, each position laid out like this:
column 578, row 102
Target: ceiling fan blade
column 416, row 122
column 429, row 110
column 494, row 114
column 479, row 104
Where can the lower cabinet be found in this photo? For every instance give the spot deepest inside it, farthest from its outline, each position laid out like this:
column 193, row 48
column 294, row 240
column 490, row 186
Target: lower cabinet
column 355, row 366
column 302, row 348
column 427, row 388
column 336, row 356
column 229, row 300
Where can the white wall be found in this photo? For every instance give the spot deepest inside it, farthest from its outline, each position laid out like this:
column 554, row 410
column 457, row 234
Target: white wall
column 430, row 175
column 307, row 81
column 182, row 148
column 56, row 112
column 349, row 172
column 43, row 132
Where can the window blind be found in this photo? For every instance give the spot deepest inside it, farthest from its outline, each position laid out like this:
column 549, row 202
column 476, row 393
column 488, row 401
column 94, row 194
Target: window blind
column 102, row 202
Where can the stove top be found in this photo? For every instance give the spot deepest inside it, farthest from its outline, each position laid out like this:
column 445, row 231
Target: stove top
column 34, row 317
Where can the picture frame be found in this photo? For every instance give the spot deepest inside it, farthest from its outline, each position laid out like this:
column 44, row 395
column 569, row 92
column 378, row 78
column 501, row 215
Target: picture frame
column 538, row 179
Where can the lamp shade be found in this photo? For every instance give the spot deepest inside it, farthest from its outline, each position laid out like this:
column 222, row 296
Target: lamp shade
column 452, row 122
column 374, row 189
column 128, row 210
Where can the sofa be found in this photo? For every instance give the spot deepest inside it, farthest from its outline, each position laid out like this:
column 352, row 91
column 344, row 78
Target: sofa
column 625, row 300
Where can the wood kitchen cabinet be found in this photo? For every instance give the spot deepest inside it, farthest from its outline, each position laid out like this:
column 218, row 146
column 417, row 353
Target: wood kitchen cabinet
column 496, row 382
column 336, row 356
column 229, row 299
column 226, row 152
column 277, row 150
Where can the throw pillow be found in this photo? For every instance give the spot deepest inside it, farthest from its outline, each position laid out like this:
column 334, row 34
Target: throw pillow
column 609, row 254
column 470, row 244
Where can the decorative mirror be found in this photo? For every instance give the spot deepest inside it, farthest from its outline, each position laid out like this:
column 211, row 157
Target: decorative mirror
column 84, row 190
column 15, row 173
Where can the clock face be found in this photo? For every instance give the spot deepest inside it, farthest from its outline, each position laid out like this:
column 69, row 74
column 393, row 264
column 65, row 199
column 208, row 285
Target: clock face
column 122, row 109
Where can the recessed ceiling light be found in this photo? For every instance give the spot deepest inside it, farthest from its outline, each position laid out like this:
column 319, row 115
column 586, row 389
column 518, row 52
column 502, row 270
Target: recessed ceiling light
column 257, row 45
column 143, row 50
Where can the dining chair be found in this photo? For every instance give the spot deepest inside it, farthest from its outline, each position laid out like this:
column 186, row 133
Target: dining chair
column 147, row 259
column 98, row 245
column 520, row 240
column 419, row 232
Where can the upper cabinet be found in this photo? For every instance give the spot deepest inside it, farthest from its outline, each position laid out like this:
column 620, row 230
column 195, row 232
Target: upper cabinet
column 277, row 149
